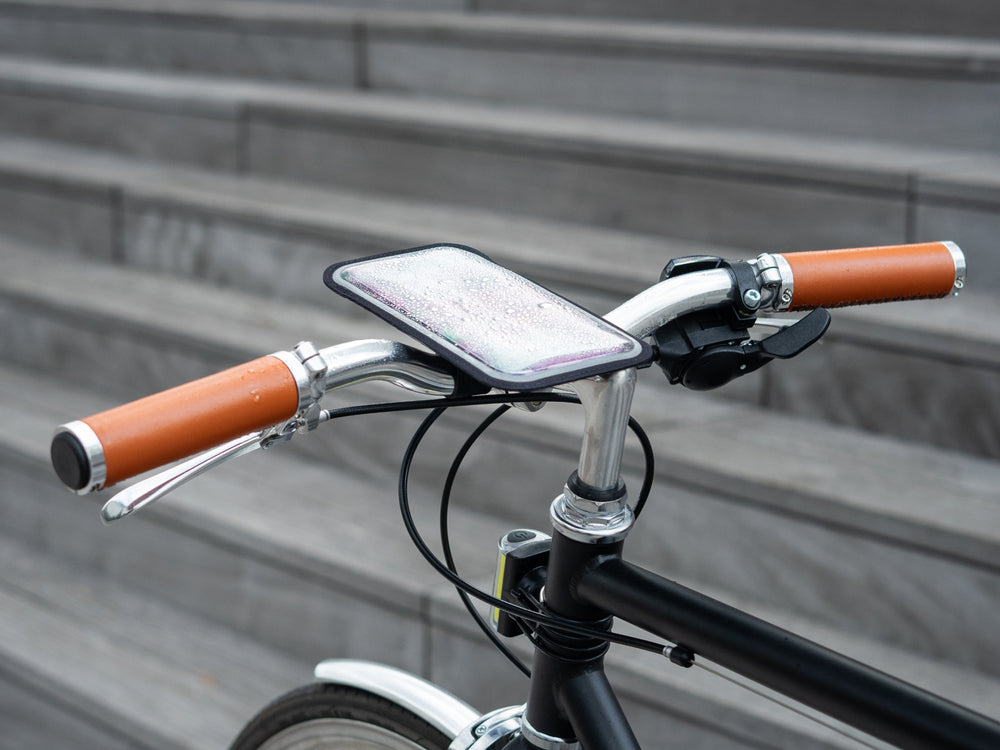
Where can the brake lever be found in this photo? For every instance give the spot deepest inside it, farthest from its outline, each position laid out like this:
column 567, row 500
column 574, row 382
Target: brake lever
column 703, row 352
column 149, row 490
column 795, row 338
column 778, row 324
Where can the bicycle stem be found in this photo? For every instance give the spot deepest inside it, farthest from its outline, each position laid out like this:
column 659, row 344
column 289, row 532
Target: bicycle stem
column 593, row 507
column 607, row 402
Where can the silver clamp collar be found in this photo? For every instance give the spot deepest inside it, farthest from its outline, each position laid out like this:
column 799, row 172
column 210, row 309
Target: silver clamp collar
column 774, row 275
column 309, row 369
column 591, row 521
column 486, row 732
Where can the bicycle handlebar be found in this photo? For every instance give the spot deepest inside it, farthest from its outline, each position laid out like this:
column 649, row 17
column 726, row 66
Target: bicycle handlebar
column 867, row 275
column 805, row 281
column 283, row 389
column 120, row 443
column 279, row 389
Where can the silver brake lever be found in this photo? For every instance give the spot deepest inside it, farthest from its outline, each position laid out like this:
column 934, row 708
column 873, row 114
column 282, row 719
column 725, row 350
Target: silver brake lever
column 148, row 491
column 778, row 323
column 152, row 489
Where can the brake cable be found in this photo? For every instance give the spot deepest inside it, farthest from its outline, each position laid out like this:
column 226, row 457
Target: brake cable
column 542, row 618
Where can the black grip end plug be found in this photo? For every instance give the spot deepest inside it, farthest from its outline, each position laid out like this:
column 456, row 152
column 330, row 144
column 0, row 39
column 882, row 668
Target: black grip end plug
column 70, row 460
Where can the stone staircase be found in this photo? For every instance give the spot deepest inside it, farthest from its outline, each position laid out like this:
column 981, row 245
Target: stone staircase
column 174, row 177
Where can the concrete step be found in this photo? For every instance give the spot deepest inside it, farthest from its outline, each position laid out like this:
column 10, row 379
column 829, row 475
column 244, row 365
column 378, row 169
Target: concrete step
column 720, row 186
column 34, row 720
column 786, row 511
column 966, row 18
column 273, row 237
column 916, row 90
column 89, row 655
column 265, row 548
column 267, row 237
column 922, row 90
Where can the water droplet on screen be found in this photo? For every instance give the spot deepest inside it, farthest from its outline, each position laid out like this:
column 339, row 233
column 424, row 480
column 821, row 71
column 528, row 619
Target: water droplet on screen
column 492, row 314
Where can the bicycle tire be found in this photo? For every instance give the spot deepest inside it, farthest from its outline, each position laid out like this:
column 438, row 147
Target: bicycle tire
column 326, row 716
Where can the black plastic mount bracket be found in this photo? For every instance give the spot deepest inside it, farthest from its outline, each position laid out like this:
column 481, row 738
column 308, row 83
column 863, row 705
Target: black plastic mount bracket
column 709, row 348
column 524, row 555
column 748, row 291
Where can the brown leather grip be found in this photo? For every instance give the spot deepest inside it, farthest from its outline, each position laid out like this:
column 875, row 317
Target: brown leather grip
column 193, row 417
column 865, row 275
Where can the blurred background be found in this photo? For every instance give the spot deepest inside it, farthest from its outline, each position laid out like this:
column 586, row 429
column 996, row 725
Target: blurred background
column 175, row 175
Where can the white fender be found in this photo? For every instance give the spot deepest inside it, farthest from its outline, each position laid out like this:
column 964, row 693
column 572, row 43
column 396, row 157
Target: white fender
column 437, row 707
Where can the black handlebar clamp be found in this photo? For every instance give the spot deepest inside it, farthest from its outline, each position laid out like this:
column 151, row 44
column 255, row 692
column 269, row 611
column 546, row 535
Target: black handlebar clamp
column 709, row 348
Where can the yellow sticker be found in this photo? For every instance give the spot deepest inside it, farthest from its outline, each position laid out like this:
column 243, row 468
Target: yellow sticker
column 498, row 587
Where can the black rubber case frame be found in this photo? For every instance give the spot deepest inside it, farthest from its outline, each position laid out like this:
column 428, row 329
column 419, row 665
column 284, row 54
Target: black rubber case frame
column 636, row 353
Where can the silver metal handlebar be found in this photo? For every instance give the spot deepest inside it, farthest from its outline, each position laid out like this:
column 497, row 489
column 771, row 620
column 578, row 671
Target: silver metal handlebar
column 606, row 400
column 382, row 359
column 652, row 309
column 321, row 371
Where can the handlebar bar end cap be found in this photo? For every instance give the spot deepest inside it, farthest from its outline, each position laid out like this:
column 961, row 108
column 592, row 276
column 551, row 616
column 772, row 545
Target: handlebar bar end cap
column 78, row 457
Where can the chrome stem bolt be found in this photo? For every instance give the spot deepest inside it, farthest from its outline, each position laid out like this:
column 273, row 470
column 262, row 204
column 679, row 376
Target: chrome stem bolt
column 751, row 298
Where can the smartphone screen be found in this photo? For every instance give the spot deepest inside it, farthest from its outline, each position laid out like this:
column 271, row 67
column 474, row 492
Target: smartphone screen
column 495, row 325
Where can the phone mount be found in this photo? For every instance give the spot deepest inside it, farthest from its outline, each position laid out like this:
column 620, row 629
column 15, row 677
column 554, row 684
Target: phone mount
column 497, row 327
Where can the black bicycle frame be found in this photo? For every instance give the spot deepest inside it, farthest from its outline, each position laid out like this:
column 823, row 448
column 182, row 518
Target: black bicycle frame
column 591, row 582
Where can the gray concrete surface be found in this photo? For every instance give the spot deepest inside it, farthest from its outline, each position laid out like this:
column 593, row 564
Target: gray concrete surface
column 263, row 236
column 923, row 90
column 968, row 17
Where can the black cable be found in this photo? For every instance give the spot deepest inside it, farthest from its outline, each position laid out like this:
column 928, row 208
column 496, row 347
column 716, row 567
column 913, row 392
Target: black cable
column 504, row 398
column 446, row 538
column 549, row 619
column 622, row 640
column 418, row 541
column 438, row 407
column 421, row 404
column 649, row 458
